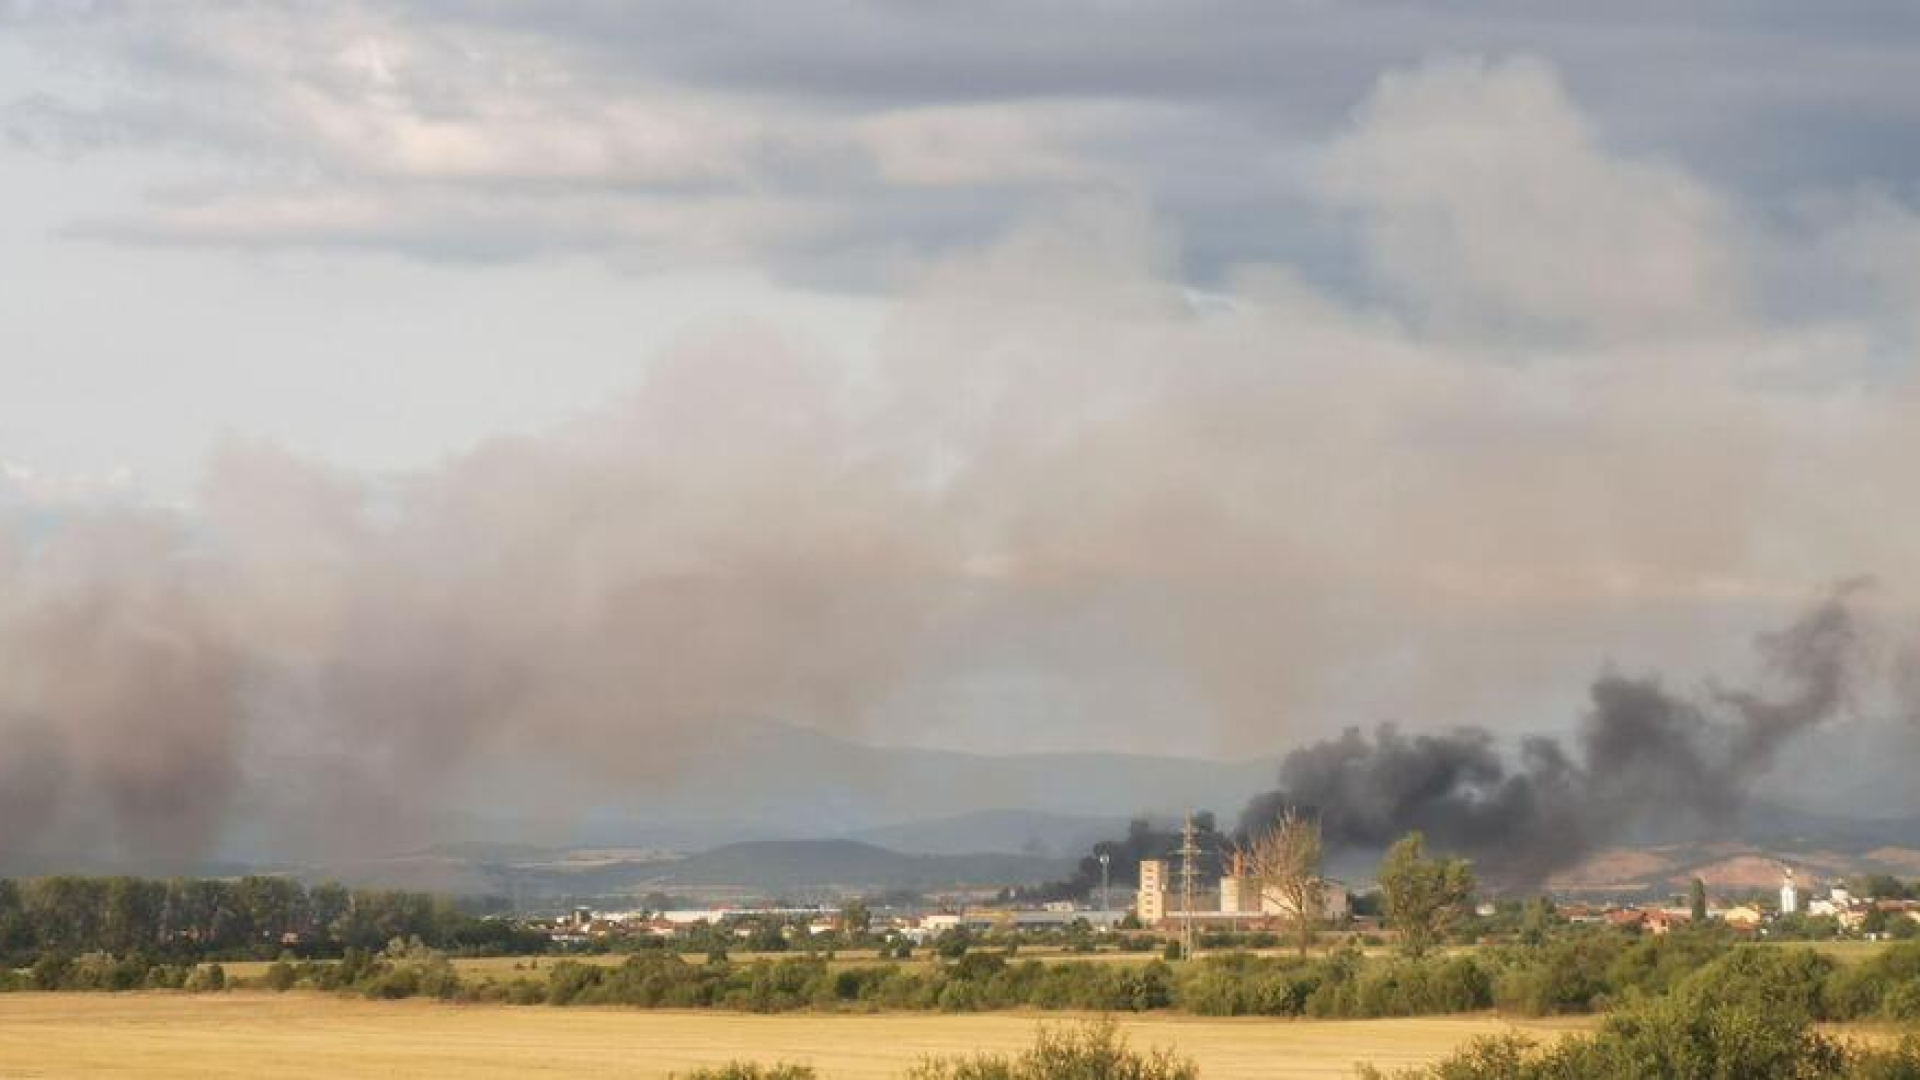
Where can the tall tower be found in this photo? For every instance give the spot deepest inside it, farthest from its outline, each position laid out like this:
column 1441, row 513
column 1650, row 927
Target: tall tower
column 1151, row 904
column 1189, row 878
column 1789, row 896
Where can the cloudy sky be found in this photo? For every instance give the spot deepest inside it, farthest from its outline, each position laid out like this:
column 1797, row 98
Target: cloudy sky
column 1199, row 376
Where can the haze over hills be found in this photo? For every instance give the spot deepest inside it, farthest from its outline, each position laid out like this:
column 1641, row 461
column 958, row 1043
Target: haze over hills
column 1032, row 832
column 796, row 870
column 801, row 782
column 774, row 808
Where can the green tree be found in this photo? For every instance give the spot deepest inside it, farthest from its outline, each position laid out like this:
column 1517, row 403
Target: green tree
column 954, row 943
column 15, row 932
column 1697, row 902
column 1422, row 896
column 855, row 918
column 1537, row 919
column 1878, row 886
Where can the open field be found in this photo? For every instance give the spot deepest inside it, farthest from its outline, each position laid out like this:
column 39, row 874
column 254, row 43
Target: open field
column 307, row 1035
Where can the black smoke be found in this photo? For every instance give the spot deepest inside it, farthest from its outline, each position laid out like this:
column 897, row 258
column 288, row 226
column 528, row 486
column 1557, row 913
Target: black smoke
column 1144, row 840
column 1642, row 757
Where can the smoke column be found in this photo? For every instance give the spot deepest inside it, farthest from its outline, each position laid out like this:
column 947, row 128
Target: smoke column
column 1641, row 754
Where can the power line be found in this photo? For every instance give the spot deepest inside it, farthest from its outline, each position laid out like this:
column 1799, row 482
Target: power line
column 1189, row 877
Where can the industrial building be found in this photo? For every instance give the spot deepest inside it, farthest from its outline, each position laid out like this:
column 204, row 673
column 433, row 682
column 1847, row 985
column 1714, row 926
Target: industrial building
column 1238, row 902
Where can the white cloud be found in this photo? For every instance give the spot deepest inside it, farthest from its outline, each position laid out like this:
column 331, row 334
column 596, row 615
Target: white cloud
column 999, row 143
column 1490, row 207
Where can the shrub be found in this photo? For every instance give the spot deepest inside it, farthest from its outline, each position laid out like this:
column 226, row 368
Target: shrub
column 569, row 980
column 208, row 979
column 1764, row 979
column 280, row 977
column 751, row 1070
column 1092, row 1051
column 1686, row 1036
column 1883, row 985
column 1569, row 975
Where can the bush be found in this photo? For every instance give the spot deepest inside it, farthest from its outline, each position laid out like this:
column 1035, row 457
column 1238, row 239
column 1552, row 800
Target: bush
column 1686, row 1036
column 751, row 1070
column 570, row 980
column 954, row 943
column 1885, row 985
column 280, row 977
column 1092, row 1051
column 1569, row 975
column 211, row 978
column 1764, row 979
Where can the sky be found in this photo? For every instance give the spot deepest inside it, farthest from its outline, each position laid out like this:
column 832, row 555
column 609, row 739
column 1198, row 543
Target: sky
column 1195, row 378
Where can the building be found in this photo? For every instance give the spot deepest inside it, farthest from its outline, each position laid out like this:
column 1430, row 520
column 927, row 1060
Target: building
column 1652, row 920
column 1238, row 904
column 1150, row 906
column 1240, row 894
column 1789, row 896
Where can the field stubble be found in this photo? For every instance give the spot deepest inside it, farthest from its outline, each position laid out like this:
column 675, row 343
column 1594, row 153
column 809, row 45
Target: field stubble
column 302, row 1035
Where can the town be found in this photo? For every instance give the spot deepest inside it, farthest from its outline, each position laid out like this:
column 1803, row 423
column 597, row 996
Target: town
column 1232, row 910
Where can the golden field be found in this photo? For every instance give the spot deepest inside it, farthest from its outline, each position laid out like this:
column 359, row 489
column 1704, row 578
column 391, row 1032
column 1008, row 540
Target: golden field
column 302, row 1035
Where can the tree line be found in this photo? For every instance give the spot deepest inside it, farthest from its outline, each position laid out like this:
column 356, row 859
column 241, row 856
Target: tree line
column 1579, row 970
column 258, row 916
column 1582, row 971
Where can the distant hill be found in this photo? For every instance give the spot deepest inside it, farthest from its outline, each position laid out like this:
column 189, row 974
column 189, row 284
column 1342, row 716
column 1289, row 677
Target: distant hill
column 764, row 868
column 1820, row 848
column 1728, row 867
column 773, row 781
column 842, row 866
column 792, row 782
column 1030, row 832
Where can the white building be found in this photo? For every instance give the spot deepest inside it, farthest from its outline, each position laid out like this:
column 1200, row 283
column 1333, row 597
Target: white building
column 1151, row 904
column 1789, row 896
column 1238, row 896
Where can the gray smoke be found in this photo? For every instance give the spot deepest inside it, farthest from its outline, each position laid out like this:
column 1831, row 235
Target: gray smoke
column 1060, row 469
column 121, row 690
column 1641, row 756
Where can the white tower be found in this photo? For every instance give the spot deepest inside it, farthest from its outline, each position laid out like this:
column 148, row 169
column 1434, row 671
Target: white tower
column 1789, row 896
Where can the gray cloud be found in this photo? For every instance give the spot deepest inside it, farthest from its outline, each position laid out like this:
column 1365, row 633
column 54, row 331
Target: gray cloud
column 738, row 133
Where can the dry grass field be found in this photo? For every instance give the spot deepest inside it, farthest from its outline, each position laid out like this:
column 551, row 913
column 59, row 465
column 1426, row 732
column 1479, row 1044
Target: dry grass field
column 247, row 1035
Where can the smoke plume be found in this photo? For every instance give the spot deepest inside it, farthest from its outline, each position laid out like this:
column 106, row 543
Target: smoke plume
column 1060, row 482
column 1641, row 756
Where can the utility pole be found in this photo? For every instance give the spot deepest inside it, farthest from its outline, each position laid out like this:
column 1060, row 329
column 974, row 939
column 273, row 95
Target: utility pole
column 1189, row 874
column 1105, row 904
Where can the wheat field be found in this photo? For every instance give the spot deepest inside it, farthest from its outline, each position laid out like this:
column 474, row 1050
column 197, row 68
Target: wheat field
column 304, row 1035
